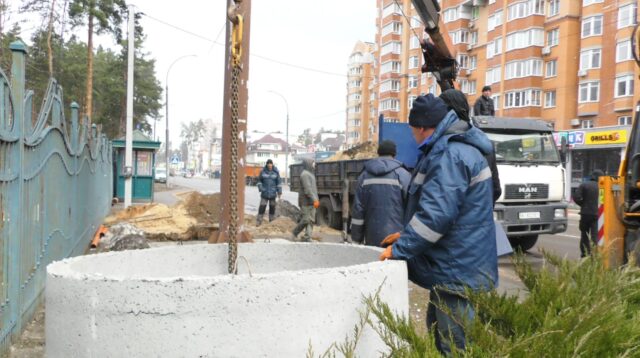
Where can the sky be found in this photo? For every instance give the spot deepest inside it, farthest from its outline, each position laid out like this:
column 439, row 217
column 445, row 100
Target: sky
column 314, row 34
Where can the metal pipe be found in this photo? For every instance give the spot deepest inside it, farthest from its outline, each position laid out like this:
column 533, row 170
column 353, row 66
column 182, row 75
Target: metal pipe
column 286, row 158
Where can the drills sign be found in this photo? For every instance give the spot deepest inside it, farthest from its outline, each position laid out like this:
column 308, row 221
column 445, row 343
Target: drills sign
column 607, row 137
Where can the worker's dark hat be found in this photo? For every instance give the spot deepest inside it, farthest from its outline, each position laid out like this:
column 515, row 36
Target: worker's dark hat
column 427, row 111
column 387, row 148
column 269, row 161
column 486, row 88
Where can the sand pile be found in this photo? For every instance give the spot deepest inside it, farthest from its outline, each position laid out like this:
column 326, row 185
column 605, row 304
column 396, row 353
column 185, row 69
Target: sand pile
column 365, row 150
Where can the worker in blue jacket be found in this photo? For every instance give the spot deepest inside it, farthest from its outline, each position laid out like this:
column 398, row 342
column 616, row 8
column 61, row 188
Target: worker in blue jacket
column 270, row 187
column 378, row 207
column 449, row 239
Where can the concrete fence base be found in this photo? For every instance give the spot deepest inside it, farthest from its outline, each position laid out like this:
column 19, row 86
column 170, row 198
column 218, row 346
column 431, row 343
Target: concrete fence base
column 180, row 301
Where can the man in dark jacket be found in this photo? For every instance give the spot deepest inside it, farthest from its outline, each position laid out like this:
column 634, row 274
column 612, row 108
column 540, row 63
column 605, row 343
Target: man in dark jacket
column 378, row 207
column 270, row 187
column 307, row 201
column 457, row 101
column 587, row 197
column 448, row 240
column 484, row 104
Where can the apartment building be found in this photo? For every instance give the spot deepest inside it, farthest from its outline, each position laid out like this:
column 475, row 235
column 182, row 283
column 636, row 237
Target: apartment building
column 359, row 80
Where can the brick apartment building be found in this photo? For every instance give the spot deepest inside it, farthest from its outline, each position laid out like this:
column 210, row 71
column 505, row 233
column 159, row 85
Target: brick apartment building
column 359, row 90
column 564, row 61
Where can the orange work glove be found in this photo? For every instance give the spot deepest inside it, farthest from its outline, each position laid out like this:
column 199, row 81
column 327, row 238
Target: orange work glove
column 389, row 240
column 316, row 204
column 387, row 254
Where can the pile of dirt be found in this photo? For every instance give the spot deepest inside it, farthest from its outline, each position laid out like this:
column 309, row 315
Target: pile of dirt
column 365, row 150
column 280, row 227
column 205, row 208
column 286, row 209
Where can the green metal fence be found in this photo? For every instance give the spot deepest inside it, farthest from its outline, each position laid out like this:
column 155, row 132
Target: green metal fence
column 55, row 189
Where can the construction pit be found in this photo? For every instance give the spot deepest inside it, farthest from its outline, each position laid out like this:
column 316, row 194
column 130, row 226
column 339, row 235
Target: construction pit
column 179, row 301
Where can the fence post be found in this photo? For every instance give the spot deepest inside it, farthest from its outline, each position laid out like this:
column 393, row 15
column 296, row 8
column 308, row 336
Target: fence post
column 19, row 51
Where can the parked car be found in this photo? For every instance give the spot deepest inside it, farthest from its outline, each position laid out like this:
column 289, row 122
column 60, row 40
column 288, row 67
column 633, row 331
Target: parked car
column 161, row 175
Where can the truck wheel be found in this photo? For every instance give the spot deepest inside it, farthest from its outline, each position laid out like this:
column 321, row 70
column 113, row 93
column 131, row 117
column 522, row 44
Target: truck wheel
column 326, row 216
column 523, row 243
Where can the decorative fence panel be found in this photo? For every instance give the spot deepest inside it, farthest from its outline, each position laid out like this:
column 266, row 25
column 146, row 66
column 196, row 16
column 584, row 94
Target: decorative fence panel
column 55, row 189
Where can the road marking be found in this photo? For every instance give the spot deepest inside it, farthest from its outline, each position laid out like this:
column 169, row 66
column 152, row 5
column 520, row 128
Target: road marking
column 567, row 235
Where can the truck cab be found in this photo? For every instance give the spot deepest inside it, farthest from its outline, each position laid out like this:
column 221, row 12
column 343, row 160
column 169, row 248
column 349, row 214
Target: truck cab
column 532, row 178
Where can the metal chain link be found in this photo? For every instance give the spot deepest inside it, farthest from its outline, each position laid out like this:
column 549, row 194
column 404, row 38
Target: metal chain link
column 233, row 175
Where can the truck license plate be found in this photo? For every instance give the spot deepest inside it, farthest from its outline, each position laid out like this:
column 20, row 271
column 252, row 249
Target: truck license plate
column 530, row 215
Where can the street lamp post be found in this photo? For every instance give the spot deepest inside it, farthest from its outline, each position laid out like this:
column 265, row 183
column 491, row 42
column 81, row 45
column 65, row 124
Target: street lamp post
column 286, row 158
column 166, row 107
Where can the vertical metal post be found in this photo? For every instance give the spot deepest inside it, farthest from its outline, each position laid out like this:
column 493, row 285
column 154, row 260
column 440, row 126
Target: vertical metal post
column 244, row 9
column 128, row 172
column 166, row 140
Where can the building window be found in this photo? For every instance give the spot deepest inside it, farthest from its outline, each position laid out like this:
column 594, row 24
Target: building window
column 463, row 61
column 473, row 62
column 624, row 86
column 623, row 51
column 553, row 37
column 586, row 123
column 390, row 104
column 496, row 101
column 627, row 16
column 416, row 22
column 526, row 68
column 552, row 69
column 550, row 99
column 392, row 28
column 592, row 26
column 390, row 85
column 554, row 8
column 451, row 14
column 625, row 121
column 474, row 38
column 410, row 100
column 526, row 38
column 414, row 62
column 493, row 75
column 589, row 2
column 522, row 98
column 391, row 66
column 526, row 8
column 391, row 9
column 494, row 20
column 590, row 59
column 415, row 42
column 494, row 47
column 391, row 47
column 475, row 13
column 413, row 82
column 354, row 97
column 589, row 92
column 459, row 37
column 468, row 87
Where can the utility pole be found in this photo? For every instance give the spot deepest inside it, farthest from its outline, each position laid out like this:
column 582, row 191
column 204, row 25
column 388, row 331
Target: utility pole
column 242, row 8
column 128, row 157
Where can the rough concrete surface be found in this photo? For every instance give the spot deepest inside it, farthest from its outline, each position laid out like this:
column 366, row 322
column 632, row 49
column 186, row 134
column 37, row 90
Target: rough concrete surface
column 179, row 301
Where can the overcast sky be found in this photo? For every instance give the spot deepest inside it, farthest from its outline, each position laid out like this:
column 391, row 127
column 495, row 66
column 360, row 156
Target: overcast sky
column 313, row 34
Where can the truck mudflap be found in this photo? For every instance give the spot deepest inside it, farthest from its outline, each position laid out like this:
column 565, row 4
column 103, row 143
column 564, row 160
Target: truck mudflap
column 521, row 220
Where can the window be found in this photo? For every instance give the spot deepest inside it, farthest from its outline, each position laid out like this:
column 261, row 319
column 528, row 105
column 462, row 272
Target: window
column 554, row 8
column 391, row 9
column 494, row 47
column 473, row 62
column 460, row 36
column 494, row 20
column 355, row 71
column 414, row 62
column 474, row 38
column 627, row 15
column 589, row 92
column 392, row 28
column 463, row 61
column 552, row 69
column 623, row 51
column 526, row 38
column 522, row 98
column 550, row 99
column 624, row 86
column 391, row 66
column 410, row 100
column 590, row 59
column 143, row 163
column 553, row 37
column 526, row 8
column 451, row 14
column 496, row 101
column 415, row 42
column 589, row 2
column 467, row 87
column 625, row 121
column 586, row 123
column 390, row 104
column 475, row 12
column 354, row 97
column 390, row 85
column 592, row 26
column 413, row 82
column 493, row 75
column 526, row 68
column 391, row 47
column 416, row 22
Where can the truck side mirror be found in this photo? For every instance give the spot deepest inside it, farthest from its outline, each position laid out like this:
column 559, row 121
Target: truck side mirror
column 563, row 150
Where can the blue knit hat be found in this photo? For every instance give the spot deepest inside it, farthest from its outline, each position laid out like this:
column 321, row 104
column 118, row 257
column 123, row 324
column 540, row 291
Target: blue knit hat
column 427, row 111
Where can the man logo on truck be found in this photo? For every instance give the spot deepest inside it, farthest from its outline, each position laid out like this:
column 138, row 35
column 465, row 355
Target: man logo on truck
column 527, row 191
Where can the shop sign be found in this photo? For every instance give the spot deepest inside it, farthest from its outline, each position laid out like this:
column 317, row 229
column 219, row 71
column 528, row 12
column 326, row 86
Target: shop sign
column 572, row 138
column 606, row 137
